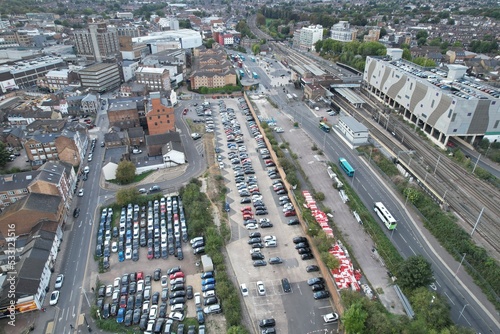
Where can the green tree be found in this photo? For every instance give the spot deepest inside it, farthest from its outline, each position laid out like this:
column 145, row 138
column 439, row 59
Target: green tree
column 422, row 34
column 237, row 330
column 414, row 272
column 260, row 20
column 209, row 43
column 431, row 308
column 4, row 155
column 125, row 173
column 127, row 195
column 256, row 49
column 354, row 319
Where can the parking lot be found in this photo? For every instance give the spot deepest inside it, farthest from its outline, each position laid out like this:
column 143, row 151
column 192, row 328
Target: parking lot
column 296, row 311
column 142, row 248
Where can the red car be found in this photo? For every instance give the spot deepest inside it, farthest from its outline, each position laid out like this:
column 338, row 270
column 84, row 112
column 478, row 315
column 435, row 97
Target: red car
column 123, row 301
column 185, row 112
column 150, row 253
column 177, row 275
column 246, row 208
column 140, row 275
column 247, row 216
column 290, row 213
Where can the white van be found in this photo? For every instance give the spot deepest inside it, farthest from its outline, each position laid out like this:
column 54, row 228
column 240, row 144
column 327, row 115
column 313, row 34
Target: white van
column 197, row 299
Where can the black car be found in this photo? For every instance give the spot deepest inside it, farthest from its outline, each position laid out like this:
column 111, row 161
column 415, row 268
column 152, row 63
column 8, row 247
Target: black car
column 162, row 311
column 275, row 260
column 173, row 270
column 143, row 323
column 254, row 234
column 76, row 212
column 132, row 288
column 266, row 225
column 259, row 263
column 178, row 300
column 298, row 240
column 125, row 279
column 155, row 299
column 147, row 280
column 177, row 287
column 254, row 241
column 138, row 300
column 136, row 316
column 315, row 280
column 157, row 274
column 286, row 285
column 261, row 212
column 189, row 292
column 267, row 323
column 135, row 255
column 130, row 302
column 114, row 309
column 307, row 256
column 210, row 301
column 257, row 245
column 128, row 318
column 106, row 311
column 317, row 287
column 294, row 221
column 312, row 268
column 176, row 294
column 245, row 200
column 302, row 245
column 257, row 256
column 321, row 294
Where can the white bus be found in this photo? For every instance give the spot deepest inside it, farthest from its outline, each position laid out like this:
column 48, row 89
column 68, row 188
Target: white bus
column 385, row 216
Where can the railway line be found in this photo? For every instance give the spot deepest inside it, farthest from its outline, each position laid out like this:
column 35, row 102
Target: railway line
column 449, row 182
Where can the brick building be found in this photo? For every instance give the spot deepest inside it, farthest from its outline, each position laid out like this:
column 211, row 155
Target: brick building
column 159, row 114
column 123, row 114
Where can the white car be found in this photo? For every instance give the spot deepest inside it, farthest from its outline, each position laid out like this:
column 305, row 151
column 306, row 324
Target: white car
column 331, row 317
column 264, row 220
column 251, row 227
column 209, row 293
column 197, row 299
column 59, row 281
column 128, row 253
column 254, row 250
column 221, row 165
column 80, row 193
column 54, row 297
column 86, row 169
column 256, row 198
column 269, row 238
column 176, row 316
column 152, row 311
column 177, row 307
column 261, row 289
column 90, row 157
column 136, row 151
column 114, row 247
column 244, row 289
column 140, row 285
column 116, row 283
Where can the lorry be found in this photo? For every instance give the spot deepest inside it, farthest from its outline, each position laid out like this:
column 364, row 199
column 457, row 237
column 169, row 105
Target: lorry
column 337, row 183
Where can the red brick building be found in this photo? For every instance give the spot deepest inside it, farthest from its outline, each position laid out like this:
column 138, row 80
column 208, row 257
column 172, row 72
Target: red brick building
column 159, row 114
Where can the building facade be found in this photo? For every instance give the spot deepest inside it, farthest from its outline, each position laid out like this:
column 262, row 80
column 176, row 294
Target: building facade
column 155, row 79
column 342, row 32
column 442, row 105
column 100, row 77
column 97, row 42
column 159, row 114
column 307, row 36
column 123, row 115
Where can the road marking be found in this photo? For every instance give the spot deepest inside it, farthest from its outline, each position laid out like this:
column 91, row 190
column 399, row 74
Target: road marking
column 74, row 311
column 322, row 307
column 71, row 295
column 449, row 298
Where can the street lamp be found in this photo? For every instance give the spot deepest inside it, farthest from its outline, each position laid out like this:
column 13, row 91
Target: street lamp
column 87, row 323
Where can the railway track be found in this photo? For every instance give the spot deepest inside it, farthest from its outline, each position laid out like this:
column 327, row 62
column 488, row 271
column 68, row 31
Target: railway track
column 449, row 182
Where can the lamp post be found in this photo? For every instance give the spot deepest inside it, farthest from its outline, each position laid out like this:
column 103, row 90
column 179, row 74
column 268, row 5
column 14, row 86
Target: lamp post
column 87, row 323
column 460, row 265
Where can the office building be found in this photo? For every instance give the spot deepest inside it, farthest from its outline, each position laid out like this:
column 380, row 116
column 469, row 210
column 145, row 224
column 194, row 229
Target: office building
column 96, row 43
column 343, row 32
column 307, row 36
column 155, row 79
column 100, row 77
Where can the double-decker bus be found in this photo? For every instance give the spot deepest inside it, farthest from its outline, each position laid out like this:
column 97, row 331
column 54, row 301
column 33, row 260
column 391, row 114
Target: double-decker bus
column 255, row 75
column 323, row 126
column 346, row 167
column 385, row 216
column 242, row 74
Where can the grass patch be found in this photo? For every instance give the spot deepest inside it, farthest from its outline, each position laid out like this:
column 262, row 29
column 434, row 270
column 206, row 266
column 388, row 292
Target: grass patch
column 137, row 178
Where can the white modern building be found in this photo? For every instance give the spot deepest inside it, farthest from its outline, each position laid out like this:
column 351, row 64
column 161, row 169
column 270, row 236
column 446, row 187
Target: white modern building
column 188, row 38
column 168, row 23
column 353, row 131
column 343, row 32
column 307, row 36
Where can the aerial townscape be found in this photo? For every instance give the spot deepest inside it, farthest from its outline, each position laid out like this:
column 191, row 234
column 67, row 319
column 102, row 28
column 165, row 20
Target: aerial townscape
column 250, row 167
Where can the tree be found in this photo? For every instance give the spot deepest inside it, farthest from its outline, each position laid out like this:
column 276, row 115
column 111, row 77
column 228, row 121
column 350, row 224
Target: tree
column 125, row 173
column 237, row 330
column 260, row 20
column 414, row 272
column 354, row 319
column 127, row 195
column 209, row 43
column 431, row 308
column 4, row 155
column 256, row 49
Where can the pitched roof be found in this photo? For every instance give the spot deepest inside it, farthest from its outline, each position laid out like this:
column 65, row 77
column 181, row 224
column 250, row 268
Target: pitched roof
column 17, row 180
column 163, row 138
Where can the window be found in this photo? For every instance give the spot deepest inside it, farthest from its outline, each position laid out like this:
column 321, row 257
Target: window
column 432, row 104
column 454, row 116
column 496, row 125
column 454, row 130
column 449, row 113
column 469, row 114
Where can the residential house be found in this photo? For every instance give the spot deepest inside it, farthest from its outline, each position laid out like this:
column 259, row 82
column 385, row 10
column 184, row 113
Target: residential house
column 46, row 126
column 173, row 153
column 13, row 137
column 159, row 114
column 135, row 136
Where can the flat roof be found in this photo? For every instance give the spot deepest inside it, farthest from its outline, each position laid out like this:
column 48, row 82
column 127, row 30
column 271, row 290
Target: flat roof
column 353, row 124
column 349, row 95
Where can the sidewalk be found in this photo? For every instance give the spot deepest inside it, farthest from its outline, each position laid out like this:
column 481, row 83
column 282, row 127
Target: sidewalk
column 314, row 166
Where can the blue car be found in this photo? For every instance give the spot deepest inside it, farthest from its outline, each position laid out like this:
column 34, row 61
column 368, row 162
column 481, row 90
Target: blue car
column 210, row 280
column 208, row 274
column 200, row 316
column 207, row 287
column 121, row 257
column 120, row 316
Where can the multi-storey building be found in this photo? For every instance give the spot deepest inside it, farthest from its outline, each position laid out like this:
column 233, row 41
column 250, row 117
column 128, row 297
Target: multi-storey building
column 159, row 114
column 131, row 31
column 373, row 35
column 307, row 36
column 211, row 68
column 155, row 79
column 123, row 114
column 343, row 32
column 97, row 42
column 13, row 187
column 100, row 77
column 58, row 79
column 442, row 104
